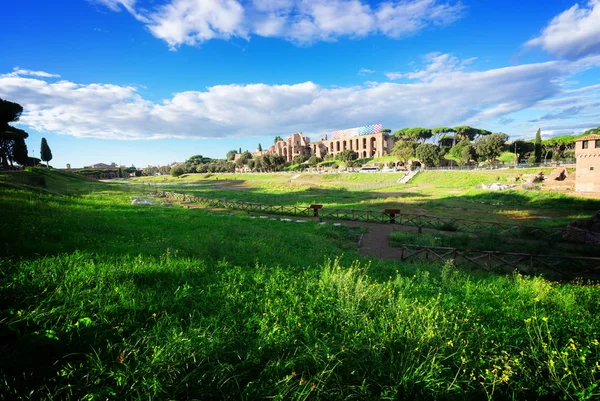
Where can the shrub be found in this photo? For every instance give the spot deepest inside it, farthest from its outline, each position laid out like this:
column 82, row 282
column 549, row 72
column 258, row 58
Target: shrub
column 177, row 171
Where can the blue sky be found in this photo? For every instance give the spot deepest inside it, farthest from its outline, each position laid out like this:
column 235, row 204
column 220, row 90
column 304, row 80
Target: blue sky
column 149, row 82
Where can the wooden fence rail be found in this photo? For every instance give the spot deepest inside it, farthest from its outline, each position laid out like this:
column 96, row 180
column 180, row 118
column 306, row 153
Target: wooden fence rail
column 418, row 220
column 525, row 263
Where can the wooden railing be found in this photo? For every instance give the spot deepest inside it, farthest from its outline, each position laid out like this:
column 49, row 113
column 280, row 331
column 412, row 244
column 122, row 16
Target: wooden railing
column 418, row 220
column 565, row 266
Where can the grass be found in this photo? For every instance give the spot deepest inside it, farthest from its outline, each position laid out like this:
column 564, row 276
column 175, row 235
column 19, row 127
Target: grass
column 451, row 194
column 104, row 300
column 492, row 241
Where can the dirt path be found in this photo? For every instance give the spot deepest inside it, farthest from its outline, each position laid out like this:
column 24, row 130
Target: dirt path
column 376, row 241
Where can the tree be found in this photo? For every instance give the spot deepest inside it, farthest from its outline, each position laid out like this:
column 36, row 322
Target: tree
column 120, row 172
column 521, row 148
column 240, row 151
column 231, row 154
column 176, row 171
column 298, row 159
column 45, row 152
column 9, row 135
column 415, row 134
column 405, row 151
column 491, row 146
column 465, row 132
column 259, row 147
column 538, row 146
column 277, row 139
column 428, row 154
column 20, row 152
column 463, row 152
column 314, row 160
column 197, row 159
column 441, row 132
column 347, row 156
column 386, row 131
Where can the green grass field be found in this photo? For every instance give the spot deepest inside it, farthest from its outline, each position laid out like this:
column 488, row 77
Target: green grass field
column 447, row 194
column 105, row 300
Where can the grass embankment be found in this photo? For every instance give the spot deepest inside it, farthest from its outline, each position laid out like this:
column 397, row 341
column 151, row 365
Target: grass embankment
column 450, row 194
column 50, row 180
column 492, row 241
column 101, row 299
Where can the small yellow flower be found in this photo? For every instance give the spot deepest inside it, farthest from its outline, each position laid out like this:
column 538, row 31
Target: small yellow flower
column 450, row 343
column 551, row 363
column 596, row 343
column 545, row 319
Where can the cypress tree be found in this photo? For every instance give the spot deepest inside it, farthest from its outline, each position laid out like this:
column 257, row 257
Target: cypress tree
column 538, row 146
column 259, row 148
column 45, row 152
column 20, row 152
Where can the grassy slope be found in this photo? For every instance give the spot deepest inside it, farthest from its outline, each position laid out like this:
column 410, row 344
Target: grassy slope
column 101, row 299
column 434, row 193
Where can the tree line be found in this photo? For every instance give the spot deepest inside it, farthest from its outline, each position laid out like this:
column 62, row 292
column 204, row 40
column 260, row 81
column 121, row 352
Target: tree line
column 467, row 144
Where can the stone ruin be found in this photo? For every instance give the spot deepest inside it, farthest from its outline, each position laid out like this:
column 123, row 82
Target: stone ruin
column 584, row 230
column 560, row 179
column 496, row 186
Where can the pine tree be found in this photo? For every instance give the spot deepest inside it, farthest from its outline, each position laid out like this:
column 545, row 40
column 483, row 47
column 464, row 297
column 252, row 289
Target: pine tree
column 259, row 148
column 538, row 146
column 45, row 152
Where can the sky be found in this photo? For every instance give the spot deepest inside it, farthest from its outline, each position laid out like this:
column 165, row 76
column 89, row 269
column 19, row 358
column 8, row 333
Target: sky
column 151, row 82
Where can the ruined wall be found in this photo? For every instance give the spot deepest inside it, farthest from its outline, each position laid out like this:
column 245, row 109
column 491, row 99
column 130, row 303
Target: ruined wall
column 375, row 145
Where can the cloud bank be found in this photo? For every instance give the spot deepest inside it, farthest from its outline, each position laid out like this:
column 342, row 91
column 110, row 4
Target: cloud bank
column 572, row 34
column 448, row 97
column 192, row 22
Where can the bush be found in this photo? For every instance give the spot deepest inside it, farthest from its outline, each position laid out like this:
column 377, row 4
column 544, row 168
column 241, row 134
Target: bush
column 177, row 171
column 314, row 160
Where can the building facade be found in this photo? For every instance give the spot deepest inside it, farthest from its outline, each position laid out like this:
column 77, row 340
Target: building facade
column 374, row 145
column 294, row 145
column 367, row 141
column 587, row 155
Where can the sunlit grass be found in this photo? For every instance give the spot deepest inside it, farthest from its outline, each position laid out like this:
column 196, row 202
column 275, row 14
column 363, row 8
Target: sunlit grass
column 105, row 300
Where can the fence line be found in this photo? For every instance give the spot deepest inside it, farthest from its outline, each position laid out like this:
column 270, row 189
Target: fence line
column 525, row 263
column 394, row 217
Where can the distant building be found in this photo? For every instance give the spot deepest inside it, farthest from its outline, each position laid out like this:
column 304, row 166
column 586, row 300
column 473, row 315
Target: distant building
column 367, row 141
column 294, row 145
column 587, row 154
column 103, row 166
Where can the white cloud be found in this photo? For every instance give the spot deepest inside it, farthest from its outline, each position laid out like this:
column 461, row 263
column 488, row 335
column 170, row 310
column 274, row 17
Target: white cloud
column 438, row 65
column 572, row 34
column 19, row 72
column 397, row 19
column 365, row 71
column 192, row 22
column 120, row 112
column 394, row 75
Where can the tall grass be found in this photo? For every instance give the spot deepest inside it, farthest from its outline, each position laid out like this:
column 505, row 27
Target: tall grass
column 104, row 300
